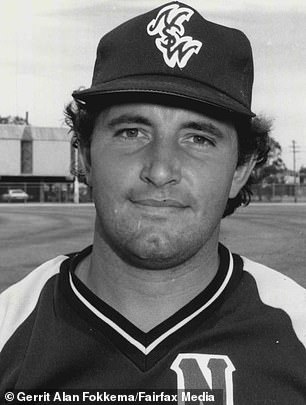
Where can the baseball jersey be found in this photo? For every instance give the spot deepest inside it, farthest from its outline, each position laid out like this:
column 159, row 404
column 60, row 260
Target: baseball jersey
column 244, row 335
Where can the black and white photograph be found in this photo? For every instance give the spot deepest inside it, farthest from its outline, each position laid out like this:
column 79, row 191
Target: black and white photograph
column 153, row 202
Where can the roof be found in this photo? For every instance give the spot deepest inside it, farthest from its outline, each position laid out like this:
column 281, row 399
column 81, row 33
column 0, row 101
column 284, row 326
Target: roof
column 28, row 132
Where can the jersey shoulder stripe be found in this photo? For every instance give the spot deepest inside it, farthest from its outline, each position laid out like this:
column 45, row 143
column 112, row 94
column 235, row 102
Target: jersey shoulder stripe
column 279, row 291
column 19, row 300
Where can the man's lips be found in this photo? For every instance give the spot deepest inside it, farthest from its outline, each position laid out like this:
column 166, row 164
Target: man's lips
column 151, row 202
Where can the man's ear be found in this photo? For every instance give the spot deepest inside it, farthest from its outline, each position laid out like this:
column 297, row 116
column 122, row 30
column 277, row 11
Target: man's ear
column 241, row 175
column 85, row 162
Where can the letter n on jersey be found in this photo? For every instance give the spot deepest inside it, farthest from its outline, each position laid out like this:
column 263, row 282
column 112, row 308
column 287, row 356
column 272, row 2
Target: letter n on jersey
column 202, row 372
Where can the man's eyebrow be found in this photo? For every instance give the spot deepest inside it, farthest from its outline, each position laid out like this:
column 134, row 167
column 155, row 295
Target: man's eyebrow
column 204, row 127
column 128, row 119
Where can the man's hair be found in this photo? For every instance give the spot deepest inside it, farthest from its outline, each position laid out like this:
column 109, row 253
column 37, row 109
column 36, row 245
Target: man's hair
column 253, row 133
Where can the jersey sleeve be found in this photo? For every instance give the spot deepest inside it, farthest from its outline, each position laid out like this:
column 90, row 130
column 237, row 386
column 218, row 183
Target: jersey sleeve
column 279, row 291
column 19, row 300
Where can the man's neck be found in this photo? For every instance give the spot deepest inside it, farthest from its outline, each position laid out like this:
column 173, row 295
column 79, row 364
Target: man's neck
column 147, row 297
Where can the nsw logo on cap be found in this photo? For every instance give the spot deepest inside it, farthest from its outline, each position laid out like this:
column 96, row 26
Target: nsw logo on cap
column 176, row 48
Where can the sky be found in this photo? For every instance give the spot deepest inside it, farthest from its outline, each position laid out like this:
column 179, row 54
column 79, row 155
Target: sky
column 48, row 50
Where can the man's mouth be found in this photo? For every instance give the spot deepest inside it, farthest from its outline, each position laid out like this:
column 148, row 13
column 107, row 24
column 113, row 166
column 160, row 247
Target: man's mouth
column 160, row 203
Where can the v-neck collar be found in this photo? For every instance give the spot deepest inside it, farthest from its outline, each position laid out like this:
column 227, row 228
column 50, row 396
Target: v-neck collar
column 133, row 342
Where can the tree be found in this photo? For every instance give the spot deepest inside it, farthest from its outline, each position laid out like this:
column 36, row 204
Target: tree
column 13, row 120
column 274, row 169
column 303, row 175
column 272, row 172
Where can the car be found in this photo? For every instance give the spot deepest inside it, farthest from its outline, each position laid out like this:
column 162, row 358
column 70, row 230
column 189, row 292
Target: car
column 15, row 195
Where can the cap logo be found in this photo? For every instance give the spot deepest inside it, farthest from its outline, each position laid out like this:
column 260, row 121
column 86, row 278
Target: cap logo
column 168, row 24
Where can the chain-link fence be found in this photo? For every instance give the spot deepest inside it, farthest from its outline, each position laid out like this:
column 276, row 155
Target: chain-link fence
column 279, row 192
column 64, row 192
column 43, row 192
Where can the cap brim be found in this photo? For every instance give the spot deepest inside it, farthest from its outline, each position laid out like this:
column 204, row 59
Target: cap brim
column 167, row 85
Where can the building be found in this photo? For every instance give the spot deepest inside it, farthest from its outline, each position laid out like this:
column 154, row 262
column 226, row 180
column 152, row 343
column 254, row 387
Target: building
column 37, row 160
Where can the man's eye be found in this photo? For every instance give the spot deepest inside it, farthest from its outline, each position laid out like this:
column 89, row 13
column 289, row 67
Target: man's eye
column 133, row 136
column 201, row 140
column 130, row 132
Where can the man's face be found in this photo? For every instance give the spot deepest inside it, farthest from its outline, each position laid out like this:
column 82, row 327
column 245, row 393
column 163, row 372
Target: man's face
column 161, row 177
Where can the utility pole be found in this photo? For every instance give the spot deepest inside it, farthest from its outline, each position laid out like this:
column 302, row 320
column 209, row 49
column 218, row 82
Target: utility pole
column 294, row 169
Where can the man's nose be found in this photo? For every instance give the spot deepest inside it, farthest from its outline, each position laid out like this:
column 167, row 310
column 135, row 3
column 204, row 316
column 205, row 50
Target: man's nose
column 161, row 165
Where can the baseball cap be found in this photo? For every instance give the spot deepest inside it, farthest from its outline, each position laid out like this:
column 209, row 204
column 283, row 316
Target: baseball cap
column 172, row 50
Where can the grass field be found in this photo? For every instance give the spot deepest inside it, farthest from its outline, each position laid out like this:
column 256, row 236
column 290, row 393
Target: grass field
column 274, row 235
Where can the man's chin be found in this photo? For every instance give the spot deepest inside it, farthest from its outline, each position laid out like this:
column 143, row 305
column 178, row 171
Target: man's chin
column 156, row 256
column 153, row 262
column 154, row 248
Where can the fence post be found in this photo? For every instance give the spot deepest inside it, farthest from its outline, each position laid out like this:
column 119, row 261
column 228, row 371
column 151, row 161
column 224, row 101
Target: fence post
column 295, row 190
column 41, row 192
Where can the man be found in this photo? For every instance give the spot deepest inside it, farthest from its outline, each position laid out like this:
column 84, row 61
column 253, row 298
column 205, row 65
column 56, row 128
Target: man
column 168, row 141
